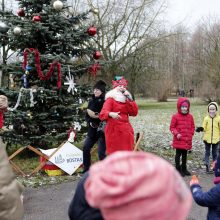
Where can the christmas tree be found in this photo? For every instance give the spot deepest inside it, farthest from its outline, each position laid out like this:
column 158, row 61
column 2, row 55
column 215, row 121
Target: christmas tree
column 52, row 53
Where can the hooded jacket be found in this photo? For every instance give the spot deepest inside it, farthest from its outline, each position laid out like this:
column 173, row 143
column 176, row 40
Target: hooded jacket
column 119, row 134
column 182, row 124
column 211, row 127
column 11, row 207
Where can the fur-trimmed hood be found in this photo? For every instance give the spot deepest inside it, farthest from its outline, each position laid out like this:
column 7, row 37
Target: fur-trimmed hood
column 116, row 95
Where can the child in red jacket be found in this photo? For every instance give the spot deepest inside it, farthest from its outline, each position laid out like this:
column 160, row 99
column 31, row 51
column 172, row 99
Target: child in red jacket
column 182, row 127
column 3, row 108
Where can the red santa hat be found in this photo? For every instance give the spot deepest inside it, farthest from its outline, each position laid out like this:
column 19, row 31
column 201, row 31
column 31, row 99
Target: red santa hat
column 137, row 185
column 120, row 81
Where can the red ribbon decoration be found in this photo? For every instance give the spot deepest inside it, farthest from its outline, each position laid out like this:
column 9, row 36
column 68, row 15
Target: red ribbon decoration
column 94, row 68
column 38, row 66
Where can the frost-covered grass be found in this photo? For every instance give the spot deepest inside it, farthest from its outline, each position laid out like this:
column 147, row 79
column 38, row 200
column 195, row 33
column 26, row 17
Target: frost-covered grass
column 154, row 120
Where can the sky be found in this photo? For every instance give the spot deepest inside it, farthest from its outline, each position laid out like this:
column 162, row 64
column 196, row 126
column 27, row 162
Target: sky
column 190, row 12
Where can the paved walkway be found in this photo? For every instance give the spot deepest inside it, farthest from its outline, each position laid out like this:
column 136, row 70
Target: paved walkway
column 51, row 203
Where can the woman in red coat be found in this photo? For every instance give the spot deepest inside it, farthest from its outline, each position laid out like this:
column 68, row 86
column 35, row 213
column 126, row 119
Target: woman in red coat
column 116, row 110
column 182, row 127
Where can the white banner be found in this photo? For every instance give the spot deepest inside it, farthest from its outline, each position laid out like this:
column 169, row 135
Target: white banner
column 68, row 158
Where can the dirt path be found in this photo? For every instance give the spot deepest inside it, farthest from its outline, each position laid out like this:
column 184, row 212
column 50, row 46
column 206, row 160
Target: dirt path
column 51, row 203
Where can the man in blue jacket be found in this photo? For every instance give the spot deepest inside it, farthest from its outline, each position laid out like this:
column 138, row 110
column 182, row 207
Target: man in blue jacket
column 210, row 199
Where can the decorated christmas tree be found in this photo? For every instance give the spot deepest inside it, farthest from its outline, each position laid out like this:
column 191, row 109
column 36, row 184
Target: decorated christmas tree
column 52, row 52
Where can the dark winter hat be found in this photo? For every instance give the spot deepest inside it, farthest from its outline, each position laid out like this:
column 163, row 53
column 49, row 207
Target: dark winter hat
column 100, row 85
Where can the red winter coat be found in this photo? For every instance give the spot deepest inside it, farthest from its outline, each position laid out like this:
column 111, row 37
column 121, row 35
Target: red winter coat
column 184, row 125
column 119, row 134
column 1, row 119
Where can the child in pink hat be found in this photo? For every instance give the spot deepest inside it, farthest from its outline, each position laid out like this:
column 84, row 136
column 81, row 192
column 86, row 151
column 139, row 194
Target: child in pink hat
column 133, row 185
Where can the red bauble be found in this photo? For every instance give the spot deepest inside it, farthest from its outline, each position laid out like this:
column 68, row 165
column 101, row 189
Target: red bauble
column 97, row 55
column 92, row 31
column 21, row 12
column 94, row 68
column 36, row 18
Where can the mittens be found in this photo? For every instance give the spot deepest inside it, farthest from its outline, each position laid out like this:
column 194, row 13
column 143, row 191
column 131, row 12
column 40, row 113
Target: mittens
column 199, row 129
column 194, row 180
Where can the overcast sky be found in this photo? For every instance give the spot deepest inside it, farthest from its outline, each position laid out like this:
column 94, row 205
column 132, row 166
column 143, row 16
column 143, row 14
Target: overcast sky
column 190, row 12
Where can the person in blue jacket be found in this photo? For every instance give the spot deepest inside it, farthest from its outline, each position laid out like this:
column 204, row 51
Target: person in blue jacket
column 210, row 199
column 79, row 208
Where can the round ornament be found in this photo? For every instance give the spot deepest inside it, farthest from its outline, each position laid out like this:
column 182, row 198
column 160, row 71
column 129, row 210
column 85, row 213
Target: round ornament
column 21, row 12
column 92, row 31
column 97, row 55
column 28, row 67
column 3, row 27
column 17, row 30
column 36, row 18
column 58, row 5
column 95, row 11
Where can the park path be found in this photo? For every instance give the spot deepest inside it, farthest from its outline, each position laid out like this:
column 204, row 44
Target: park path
column 51, row 202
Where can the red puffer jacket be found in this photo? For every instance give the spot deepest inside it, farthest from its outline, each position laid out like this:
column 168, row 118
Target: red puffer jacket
column 1, row 119
column 182, row 124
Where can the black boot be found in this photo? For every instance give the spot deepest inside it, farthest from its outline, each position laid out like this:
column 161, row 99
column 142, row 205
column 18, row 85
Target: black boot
column 185, row 171
column 208, row 170
column 184, row 160
column 179, row 169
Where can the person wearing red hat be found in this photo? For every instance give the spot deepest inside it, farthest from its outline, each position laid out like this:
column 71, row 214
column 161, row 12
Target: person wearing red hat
column 131, row 185
column 116, row 110
column 182, row 127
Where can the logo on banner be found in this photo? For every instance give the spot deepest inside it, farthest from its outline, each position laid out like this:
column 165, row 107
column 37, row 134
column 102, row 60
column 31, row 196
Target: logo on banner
column 68, row 158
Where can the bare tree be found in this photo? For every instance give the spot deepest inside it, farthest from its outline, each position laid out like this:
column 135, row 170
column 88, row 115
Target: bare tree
column 205, row 56
column 123, row 27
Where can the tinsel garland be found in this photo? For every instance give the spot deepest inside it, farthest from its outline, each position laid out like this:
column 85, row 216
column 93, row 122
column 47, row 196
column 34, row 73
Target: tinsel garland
column 19, row 98
column 38, row 66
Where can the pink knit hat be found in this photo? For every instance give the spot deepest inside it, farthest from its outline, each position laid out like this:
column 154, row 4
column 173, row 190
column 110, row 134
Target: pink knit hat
column 120, row 82
column 139, row 186
column 185, row 104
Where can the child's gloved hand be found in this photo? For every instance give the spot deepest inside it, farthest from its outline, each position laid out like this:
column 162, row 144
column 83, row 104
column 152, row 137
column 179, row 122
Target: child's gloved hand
column 194, row 180
column 199, row 129
column 178, row 136
column 213, row 165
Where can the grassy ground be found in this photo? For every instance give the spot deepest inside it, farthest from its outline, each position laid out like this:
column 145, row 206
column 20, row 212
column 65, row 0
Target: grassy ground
column 154, row 120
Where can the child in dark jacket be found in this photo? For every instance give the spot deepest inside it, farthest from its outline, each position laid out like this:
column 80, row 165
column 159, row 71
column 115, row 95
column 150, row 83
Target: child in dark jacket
column 210, row 199
column 182, row 127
